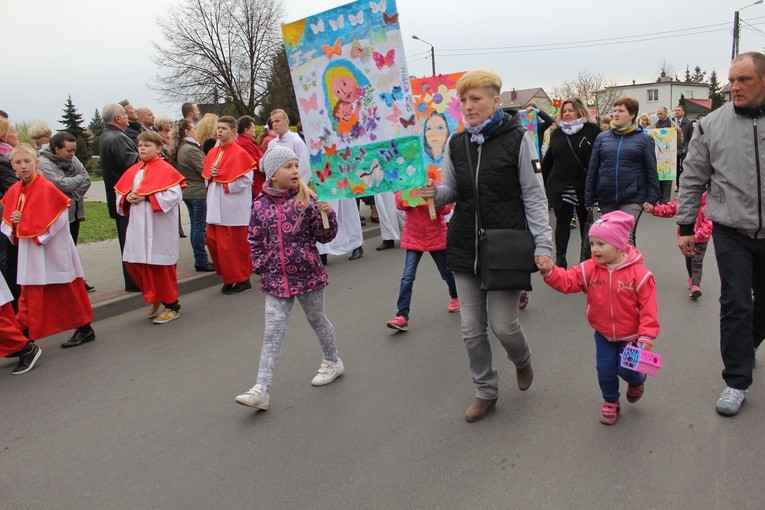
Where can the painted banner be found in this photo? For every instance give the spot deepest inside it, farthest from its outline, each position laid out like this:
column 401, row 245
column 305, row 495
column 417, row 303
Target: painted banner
column 352, row 84
column 556, row 104
column 666, row 152
column 437, row 107
column 530, row 120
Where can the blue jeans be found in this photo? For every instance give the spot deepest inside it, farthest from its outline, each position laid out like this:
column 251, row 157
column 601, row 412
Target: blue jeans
column 198, row 235
column 741, row 263
column 410, row 271
column 607, row 359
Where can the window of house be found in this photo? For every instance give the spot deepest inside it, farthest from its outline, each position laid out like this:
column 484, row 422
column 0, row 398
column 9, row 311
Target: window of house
column 653, row 95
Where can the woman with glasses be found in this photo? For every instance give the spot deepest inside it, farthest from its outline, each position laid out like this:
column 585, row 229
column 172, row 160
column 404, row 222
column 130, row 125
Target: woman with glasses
column 564, row 168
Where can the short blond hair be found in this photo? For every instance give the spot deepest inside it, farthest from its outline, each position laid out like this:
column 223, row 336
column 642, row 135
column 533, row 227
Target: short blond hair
column 281, row 112
column 24, row 148
column 206, row 127
column 38, row 130
column 483, row 78
column 160, row 121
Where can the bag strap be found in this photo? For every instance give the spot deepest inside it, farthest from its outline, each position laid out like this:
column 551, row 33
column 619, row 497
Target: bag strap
column 574, row 153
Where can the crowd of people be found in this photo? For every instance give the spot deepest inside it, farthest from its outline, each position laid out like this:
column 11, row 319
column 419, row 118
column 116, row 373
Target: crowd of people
column 251, row 211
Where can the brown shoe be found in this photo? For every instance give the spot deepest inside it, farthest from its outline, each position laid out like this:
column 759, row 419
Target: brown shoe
column 479, row 408
column 525, row 376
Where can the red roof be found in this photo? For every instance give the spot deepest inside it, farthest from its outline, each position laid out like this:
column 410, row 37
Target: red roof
column 704, row 103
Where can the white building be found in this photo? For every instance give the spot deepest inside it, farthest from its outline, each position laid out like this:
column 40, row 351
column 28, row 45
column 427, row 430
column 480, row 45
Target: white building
column 664, row 92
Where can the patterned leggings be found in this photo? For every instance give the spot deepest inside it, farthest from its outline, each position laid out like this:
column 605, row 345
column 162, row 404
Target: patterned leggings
column 695, row 263
column 277, row 316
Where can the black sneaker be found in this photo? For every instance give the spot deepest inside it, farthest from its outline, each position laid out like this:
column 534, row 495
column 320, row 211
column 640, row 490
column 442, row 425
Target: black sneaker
column 239, row 287
column 88, row 288
column 226, row 288
column 27, row 359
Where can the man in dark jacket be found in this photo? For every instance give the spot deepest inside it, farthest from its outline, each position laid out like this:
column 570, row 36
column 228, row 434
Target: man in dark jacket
column 133, row 128
column 686, row 127
column 118, row 153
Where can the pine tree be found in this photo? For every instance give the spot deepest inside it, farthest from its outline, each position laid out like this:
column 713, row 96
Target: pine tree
column 681, row 102
column 96, row 127
column 280, row 93
column 687, row 74
column 698, row 76
column 72, row 122
column 714, row 91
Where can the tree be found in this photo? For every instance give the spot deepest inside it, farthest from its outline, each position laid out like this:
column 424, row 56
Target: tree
column 698, row 75
column 221, row 48
column 714, row 91
column 592, row 88
column 96, row 127
column 72, row 122
column 279, row 93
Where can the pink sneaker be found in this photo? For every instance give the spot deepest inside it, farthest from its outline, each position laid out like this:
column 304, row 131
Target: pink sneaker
column 695, row 292
column 454, row 305
column 399, row 323
column 690, row 283
column 609, row 413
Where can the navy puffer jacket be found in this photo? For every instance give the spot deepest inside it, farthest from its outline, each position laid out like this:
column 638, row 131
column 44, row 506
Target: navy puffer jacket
column 622, row 170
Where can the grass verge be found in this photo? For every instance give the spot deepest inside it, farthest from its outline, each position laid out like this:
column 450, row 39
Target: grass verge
column 98, row 226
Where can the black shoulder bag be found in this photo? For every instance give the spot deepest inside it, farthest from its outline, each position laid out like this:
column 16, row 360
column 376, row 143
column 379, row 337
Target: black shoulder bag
column 505, row 255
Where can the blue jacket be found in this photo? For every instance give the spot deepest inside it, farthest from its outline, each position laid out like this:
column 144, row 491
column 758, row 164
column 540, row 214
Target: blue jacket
column 622, row 170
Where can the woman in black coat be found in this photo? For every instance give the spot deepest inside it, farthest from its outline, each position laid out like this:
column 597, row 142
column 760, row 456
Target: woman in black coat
column 564, row 168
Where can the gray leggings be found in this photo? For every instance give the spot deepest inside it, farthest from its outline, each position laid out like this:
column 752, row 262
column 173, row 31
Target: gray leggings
column 277, row 316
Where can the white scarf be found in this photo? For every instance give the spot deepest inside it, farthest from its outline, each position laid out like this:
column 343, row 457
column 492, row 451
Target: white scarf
column 572, row 127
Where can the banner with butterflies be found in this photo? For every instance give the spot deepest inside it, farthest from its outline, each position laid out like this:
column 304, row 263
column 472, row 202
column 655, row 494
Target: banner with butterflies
column 350, row 76
column 530, row 120
column 437, row 107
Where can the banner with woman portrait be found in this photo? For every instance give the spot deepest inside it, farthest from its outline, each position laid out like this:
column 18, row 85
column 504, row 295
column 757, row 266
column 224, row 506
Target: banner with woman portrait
column 352, row 84
column 437, row 107
column 666, row 152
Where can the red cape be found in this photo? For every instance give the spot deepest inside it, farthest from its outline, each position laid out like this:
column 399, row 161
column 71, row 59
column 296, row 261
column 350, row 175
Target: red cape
column 234, row 163
column 158, row 176
column 41, row 206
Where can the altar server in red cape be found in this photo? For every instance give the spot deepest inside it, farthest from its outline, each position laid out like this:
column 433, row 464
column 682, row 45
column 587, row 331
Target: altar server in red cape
column 228, row 170
column 35, row 217
column 13, row 344
column 149, row 194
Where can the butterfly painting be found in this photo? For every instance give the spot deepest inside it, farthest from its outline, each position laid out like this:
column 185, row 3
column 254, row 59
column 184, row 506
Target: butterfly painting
column 307, row 81
column 377, row 6
column 391, row 175
column 390, row 153
column 337, row 24
column 331, row 151
column 408, row 122
column 309, row 104
column 318, row 27
column 342, row 184
column 324, row 174
column 390, row 20
column 358, row 52
column 396, row 94
column 335, row 49
column 378, row 36
column 357, row 19
column 315, row 159
column 345, row 154
column 384, row 60
column 395, row 116
column 358, row 189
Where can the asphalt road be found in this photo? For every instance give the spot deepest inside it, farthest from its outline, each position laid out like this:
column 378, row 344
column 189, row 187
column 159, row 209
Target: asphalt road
column 144, row 417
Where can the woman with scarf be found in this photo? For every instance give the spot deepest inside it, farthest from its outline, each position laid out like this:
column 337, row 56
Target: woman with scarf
column 9, row 138
column 61, row 167
column 565, row 168
column 502, row 161
column 622, row 173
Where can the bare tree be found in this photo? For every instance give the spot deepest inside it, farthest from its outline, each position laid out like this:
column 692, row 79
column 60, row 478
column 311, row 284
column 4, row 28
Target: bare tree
column 218, row 49
column 592, row 88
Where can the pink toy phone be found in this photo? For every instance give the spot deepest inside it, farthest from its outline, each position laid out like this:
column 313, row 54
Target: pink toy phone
column 645, row 362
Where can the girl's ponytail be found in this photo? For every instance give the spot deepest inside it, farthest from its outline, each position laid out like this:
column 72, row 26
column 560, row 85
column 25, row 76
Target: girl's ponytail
column 303, row 197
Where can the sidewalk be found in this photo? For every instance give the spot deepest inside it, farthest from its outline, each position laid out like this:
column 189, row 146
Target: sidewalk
column 103, row 269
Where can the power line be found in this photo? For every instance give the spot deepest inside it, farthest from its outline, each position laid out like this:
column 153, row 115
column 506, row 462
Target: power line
column 527, row 49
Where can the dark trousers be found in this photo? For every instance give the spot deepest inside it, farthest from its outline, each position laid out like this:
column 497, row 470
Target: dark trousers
column 741, row 263
column 9, row 261
column 122, row 225
column 198, row 235
column 563, row 217
column 410, row 271
column 680, row 159
column 74, row 229
column 665, row 191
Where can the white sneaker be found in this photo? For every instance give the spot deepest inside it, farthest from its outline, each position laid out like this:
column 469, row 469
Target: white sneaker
column 730, row 401
column 328, row 372
column 254, row 397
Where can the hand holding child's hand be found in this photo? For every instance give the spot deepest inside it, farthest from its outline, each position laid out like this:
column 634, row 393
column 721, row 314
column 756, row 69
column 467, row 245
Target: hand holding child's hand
column 325, row 207
column 648, row 208
column 544, row 263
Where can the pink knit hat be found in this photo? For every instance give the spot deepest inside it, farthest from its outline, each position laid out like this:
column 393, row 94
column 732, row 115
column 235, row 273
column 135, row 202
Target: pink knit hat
column 614, row 228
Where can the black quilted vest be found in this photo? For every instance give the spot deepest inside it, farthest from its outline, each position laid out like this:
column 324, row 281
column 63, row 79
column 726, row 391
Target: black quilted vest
column 499, row 190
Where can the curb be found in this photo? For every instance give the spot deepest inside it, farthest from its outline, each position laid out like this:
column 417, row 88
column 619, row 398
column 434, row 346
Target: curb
column 130, row 301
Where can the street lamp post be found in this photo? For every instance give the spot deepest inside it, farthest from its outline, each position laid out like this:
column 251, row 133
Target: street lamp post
column 433, row 50
column 737, row 28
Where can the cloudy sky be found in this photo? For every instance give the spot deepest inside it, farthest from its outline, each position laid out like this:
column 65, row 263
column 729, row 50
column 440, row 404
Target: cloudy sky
column 99, row 51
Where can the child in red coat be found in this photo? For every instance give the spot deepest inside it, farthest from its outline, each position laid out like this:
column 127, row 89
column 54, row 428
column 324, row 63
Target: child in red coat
column 621, row 304
column 420, row 235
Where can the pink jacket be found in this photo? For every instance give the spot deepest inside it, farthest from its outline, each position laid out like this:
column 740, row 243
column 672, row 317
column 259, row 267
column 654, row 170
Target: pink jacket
column 621, row 303
column 420, row 232
column 702, row 229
